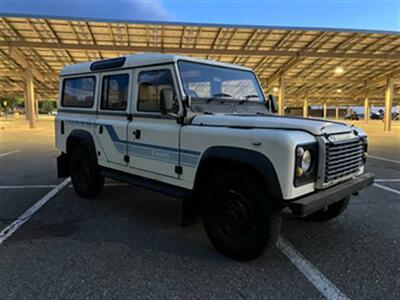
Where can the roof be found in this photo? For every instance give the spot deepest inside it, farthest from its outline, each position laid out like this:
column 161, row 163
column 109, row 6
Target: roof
column 304, row 57
column 143, row 59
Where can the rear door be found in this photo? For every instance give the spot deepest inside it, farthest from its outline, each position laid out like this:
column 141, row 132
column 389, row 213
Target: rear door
column 153, row 137
column 112, row 120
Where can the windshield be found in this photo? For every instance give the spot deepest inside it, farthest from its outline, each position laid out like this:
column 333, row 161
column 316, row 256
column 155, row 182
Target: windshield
column 210, row 81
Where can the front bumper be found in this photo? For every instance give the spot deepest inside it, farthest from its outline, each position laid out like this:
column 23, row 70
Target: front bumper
column 311, row 203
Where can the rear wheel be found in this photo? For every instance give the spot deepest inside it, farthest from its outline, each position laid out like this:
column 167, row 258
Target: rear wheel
column 85, row 175
column 238, row 217
column 329, row 212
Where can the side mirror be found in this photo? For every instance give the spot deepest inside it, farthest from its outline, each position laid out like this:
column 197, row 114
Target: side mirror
column 273, row 106
column 167, row 101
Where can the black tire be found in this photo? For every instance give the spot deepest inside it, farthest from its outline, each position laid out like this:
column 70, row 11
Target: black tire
column 330, row 212
column 239, row 219
column 85, row 175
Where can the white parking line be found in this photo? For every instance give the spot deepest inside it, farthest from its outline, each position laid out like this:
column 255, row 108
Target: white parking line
column 387, row 180
column 48, row 186
column 317, row 279
column 386, row 188
column 384, row 159
column 10, row 229
column 17, row 187
column 8, row 153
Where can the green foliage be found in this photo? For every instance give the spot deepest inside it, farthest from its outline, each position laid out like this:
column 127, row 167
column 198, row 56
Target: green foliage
column 47, row 106
column 10, row 103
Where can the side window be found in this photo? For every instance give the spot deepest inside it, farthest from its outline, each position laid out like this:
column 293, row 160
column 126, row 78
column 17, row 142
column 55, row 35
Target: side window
column 151, row 83
column 114, row 94
column 78, row 92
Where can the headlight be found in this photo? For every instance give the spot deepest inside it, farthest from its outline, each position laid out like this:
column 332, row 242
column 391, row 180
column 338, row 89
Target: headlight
column 306, row 161
column 306, row 164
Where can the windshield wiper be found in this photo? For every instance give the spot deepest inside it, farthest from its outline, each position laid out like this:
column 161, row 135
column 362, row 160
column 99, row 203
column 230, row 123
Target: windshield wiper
column 218, row 96
column 246, row 98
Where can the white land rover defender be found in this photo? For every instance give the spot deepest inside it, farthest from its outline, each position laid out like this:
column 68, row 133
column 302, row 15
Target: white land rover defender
column 204, row 132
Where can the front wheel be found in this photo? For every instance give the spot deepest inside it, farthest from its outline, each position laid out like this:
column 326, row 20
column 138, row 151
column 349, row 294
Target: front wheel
column 238, row 217
column 329, row 212
column 85, row 175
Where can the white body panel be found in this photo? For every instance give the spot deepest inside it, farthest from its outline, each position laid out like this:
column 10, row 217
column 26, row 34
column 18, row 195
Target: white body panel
column 277, row 145
column 157, row 150
column 314, row 126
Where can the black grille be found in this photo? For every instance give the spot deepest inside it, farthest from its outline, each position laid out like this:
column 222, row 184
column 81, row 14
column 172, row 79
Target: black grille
column 343, row 159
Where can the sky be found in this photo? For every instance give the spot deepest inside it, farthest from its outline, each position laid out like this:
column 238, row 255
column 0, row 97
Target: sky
column 352, row 14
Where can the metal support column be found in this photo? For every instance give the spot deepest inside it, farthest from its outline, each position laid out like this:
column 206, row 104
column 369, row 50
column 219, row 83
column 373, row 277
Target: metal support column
column 305, row 109
column 388, row 104
column 337, row 113
column 325, row 109
column 366, row 110
column 36, row 108
column 281, row 97
column 26, row 106
column 30, row 96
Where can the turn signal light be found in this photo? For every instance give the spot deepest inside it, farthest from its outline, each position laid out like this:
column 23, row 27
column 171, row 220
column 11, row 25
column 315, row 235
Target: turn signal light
column 299, row 171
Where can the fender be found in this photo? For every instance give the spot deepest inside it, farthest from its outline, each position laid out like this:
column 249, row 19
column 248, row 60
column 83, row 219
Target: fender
column 251, row 158
column 84, row 138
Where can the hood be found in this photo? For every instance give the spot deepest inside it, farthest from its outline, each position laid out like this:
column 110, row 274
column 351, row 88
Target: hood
column 313, row 126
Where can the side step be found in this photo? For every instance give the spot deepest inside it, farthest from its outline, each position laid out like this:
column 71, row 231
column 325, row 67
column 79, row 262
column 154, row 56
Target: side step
column 150, row 184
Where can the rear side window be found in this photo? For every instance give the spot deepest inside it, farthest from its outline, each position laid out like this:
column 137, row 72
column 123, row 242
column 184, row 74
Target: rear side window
column 78, row 92
column 114, row 94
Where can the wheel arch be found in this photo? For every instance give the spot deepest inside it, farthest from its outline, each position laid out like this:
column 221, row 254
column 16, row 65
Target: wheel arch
column 80, row 137
column 223, row 158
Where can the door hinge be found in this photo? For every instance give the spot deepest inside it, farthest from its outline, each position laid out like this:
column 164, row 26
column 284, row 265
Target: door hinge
column 178, row 170
column 126, row 158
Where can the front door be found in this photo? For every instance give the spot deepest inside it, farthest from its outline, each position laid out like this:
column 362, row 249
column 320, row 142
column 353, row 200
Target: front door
column 112, row 122
column 153, row 138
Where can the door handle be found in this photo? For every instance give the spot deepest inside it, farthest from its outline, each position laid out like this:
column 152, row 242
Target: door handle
column 137, row 133
column 101, row 129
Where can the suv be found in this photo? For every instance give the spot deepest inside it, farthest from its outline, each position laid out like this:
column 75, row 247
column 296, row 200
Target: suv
column 203, row 131
column 353, row 116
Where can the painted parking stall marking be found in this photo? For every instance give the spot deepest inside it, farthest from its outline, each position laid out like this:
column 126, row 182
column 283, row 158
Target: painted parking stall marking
column 384, row 159
column 317, row 279
column 17, row 187
column 387, row 188
column 8, row 153
column 387, row 180
column 25, row 217
column 48, row 186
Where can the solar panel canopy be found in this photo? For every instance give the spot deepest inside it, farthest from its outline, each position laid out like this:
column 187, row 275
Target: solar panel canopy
column 336, row 67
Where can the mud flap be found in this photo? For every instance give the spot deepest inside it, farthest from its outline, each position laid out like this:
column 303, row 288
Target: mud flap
column 190, row 211
column 62, row 166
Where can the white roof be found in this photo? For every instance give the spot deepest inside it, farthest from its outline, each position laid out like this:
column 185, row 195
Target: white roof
column 143, row 59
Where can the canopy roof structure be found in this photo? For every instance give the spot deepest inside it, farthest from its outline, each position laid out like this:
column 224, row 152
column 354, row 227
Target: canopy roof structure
column 322, row 66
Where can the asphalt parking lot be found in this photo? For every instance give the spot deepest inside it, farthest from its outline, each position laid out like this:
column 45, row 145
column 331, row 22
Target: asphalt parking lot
column 128, row 243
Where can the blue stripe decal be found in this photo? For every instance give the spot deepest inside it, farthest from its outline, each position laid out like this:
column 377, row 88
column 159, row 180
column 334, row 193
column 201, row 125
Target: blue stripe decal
column 188, row 158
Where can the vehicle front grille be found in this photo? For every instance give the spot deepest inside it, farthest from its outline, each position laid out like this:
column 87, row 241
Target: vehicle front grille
column 343, row 159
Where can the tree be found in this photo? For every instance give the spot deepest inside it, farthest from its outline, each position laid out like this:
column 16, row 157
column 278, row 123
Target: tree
column 47, row 106
column 10, row 103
